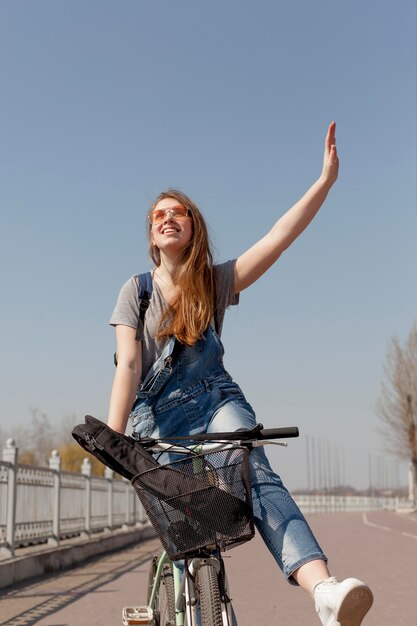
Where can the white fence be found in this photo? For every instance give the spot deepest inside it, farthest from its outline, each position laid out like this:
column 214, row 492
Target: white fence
column 39, row 504
column 327, row 503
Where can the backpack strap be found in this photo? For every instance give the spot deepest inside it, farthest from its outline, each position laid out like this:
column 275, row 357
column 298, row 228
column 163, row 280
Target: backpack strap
column 144, row 295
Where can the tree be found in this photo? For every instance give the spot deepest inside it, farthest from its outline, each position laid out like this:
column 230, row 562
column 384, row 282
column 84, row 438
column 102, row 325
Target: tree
column 397, row 404
column 3, row 439
column 42, row 437
column 65, row 426
column 72, row 456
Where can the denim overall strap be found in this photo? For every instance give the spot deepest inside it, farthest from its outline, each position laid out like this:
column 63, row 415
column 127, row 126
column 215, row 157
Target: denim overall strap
column 181, row 366
column 160, row 371
column 179, row 381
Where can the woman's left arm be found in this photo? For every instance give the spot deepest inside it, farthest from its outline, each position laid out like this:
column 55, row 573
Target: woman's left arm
column 259, row 258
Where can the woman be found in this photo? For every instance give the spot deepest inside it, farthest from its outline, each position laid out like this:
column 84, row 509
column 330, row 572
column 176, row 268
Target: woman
column 189, row 391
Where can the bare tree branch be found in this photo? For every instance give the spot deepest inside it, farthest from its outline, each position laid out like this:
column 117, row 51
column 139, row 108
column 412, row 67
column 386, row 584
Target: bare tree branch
column 397, row 403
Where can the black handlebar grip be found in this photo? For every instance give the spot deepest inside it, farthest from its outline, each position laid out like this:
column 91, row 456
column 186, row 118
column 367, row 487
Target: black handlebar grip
column 278, row 433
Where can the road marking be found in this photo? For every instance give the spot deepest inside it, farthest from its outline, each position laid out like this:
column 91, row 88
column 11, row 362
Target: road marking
column 409, row 535
column 368, row 523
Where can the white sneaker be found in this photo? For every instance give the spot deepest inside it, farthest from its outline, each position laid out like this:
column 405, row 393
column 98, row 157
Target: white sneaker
column 345, row 603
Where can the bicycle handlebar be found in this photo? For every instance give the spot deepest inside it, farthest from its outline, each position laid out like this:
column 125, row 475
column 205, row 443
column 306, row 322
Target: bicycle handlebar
column 259, row 433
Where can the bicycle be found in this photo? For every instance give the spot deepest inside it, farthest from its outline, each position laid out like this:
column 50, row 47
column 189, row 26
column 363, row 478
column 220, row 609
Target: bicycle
column 181, row 498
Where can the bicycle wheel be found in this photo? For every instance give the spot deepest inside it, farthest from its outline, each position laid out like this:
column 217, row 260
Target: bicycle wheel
column 210, row 603
column 165, row 599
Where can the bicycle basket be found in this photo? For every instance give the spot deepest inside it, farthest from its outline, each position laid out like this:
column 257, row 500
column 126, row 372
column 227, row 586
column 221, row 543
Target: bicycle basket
column 198, row 501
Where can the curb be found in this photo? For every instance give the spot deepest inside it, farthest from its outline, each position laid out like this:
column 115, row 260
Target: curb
column 23, row 568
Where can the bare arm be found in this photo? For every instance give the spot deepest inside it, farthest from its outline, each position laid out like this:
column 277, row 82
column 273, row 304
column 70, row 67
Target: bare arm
column 127, row 377
column 259, row 258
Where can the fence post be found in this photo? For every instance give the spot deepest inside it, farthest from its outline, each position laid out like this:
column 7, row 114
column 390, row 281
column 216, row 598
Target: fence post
column 86, row 472
column 55, row 466
column 10, row 456
column 128, row 519
column 135, row 518
column 108, row 475
column 411, row 480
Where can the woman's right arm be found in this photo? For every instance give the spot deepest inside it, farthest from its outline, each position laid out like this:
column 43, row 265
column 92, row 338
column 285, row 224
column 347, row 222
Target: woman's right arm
column 262, row 255
column 127, row 377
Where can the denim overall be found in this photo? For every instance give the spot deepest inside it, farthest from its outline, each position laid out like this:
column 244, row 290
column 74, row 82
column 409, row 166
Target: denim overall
column 190, row 392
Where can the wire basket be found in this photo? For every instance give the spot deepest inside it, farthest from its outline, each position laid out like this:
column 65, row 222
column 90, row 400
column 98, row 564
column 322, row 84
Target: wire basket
column 198, row 501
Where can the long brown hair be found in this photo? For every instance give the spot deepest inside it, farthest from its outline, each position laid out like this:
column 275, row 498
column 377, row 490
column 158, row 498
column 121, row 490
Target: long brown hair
column 190, row 314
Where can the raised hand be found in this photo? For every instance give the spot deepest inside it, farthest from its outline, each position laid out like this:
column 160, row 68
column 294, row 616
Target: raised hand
column 330, row 160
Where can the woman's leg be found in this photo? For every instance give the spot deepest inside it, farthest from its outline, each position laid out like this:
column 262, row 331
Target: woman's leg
column 289, row 537
column 309, row 575
column 277, row 517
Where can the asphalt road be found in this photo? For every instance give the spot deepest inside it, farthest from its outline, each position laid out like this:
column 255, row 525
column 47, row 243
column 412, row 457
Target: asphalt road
column 378, row 547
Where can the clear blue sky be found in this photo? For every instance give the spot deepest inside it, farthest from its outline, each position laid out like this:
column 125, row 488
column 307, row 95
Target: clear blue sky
column 106, row 103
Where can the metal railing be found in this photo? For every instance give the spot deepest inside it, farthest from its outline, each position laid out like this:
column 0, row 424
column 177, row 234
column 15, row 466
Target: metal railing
column 327, row 503
column 45, row 504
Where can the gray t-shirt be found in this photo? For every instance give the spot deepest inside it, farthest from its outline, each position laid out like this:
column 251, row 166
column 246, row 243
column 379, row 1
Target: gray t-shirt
column 127, row 310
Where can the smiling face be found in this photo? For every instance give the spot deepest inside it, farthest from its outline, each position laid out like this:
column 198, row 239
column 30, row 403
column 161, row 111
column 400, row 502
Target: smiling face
column 173, row 234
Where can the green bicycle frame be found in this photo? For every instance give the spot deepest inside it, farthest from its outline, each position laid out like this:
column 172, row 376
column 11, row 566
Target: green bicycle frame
column 179, row 615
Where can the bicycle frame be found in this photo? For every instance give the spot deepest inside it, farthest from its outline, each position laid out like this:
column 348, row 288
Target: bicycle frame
column 190, row 587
